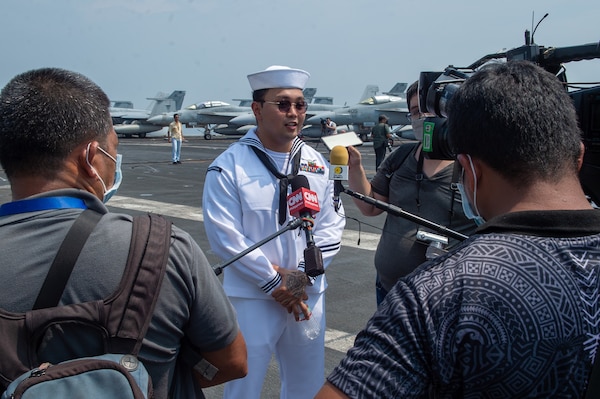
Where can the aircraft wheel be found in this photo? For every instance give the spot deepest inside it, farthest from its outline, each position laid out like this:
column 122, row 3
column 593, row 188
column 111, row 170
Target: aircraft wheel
column 207, row 136
column 142, row 135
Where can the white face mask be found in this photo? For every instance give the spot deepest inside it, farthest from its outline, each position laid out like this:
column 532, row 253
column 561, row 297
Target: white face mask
column 108, row 193
column 470, row 211
column 417, row 127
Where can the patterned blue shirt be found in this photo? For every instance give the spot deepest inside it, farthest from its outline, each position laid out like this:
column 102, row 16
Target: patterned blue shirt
column 511, row 312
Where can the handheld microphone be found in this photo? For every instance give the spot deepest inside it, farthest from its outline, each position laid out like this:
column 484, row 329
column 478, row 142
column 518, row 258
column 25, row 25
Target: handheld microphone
column 304, row 203
column 338, row 171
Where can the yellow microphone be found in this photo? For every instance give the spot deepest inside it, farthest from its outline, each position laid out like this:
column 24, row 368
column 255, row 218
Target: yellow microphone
column 339, row 163
column 338, row 171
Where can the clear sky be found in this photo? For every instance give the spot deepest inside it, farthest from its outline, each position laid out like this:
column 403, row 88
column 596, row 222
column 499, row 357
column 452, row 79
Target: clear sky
column 136, row 48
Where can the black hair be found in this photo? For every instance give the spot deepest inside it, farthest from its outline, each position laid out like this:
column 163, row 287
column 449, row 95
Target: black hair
column 518, row 119
column 46, row 113
column 411, row 91
column 259, row 95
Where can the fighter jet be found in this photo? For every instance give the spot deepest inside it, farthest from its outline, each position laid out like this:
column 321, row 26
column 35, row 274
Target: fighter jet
column 361, row 117
column 319, row 105
column 211, row 115
column 316, row 106
column 128, row 121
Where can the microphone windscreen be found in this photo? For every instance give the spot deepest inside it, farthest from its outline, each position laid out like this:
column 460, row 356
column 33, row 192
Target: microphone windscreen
column 300, row 181
column 339, row 155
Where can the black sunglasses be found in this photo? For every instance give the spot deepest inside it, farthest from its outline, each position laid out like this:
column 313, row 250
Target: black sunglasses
column 285, row 105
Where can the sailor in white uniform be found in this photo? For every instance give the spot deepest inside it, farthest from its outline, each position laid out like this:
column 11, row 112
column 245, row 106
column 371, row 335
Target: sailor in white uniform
column 243, row 203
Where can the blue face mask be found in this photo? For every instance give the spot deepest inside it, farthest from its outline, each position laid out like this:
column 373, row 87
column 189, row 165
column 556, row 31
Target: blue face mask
column 118, row 175
column 470, row 211
column 117, row 182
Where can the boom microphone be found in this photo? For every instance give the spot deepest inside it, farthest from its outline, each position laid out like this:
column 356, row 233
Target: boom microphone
column 338, row 171
column 304, row 203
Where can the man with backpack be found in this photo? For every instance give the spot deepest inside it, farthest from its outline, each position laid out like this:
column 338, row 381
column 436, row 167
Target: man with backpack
column 59, row 151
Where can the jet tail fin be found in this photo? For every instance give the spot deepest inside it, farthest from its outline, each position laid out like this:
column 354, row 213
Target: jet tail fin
column 309, row 93
column 323, row 100
column 397, row 90
column 370, row 91
column 163, row 104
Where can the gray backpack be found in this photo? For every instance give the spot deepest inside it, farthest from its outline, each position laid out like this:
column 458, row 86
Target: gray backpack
column 37, row 359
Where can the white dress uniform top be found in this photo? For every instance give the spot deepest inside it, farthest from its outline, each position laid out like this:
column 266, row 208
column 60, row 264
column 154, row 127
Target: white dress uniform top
column 241, row 207
column 240, row 204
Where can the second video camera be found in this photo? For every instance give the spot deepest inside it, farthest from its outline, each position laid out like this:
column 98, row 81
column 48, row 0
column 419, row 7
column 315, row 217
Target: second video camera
column 436, row 90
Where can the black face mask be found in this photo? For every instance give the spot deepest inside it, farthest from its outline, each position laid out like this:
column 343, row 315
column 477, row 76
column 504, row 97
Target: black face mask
column 435, row 138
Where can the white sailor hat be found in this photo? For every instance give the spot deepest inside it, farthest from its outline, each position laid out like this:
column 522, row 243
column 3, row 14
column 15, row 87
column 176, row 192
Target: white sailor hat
column 277, row 76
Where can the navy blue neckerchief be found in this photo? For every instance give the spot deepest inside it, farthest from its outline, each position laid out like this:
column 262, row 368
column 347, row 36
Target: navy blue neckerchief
column 284, row 180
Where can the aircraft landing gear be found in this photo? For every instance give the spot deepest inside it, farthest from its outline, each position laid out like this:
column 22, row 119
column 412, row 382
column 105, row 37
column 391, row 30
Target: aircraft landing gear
column 207, row 135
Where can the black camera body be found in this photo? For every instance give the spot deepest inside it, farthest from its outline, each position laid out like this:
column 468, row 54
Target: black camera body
column 437, row 88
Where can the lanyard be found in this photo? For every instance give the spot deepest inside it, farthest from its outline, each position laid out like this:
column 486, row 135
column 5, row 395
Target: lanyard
column 41, row 204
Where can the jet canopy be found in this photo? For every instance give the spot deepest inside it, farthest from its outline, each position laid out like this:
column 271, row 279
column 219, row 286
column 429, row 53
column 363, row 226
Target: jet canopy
column 383, row 99
column 207, row 104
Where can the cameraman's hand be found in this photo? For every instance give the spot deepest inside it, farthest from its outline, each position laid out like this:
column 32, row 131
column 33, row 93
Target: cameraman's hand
column 291, row 293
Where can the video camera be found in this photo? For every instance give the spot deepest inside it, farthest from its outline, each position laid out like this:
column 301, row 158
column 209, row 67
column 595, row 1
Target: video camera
column 437, row 88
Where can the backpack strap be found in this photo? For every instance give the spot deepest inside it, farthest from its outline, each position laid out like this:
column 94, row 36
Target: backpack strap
column 131, row 310
column 66, row 257
column 399, row 155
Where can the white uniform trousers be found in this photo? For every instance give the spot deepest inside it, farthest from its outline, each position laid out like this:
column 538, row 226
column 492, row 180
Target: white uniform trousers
column 268, row 329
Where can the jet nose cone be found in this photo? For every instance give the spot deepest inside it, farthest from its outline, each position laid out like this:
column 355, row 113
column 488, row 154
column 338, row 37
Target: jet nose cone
column 316, row 119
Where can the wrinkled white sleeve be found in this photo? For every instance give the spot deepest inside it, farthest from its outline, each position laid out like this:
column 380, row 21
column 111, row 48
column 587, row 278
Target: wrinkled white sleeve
column 222, row 213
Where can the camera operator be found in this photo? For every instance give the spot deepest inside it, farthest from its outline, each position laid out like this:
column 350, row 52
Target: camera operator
column 517, row 300
column 329, row 126
column 416, row 183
